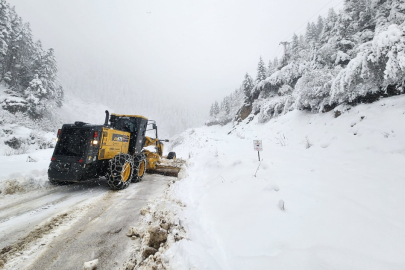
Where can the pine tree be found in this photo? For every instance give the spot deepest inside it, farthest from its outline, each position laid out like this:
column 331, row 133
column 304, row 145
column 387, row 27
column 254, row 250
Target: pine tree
column 5, row 29
column 226, row 105
column 302, row 42
column 261, row 71
column 269, row 68
column 26, row 68
column 13, row 60
column 216, row 108
column 309, row 34
column 319, row 27
column 329, row 24
column 294, row 43
column 26, row 46
column 247, row 85
column 275, row 64
column 294, row 47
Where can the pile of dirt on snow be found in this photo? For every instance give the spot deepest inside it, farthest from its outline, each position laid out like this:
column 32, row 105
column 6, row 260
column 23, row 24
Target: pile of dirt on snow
column 159, row 228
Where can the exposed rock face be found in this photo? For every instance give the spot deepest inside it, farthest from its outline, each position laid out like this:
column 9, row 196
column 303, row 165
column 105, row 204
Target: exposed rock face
column 14, row 104
column 245, row 111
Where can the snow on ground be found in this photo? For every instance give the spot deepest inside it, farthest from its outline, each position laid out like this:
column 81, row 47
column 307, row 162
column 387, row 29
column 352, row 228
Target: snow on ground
column 342, row 181
column 24, row 158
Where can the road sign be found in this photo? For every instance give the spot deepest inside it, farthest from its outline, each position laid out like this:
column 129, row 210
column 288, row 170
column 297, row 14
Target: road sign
column 257, row 144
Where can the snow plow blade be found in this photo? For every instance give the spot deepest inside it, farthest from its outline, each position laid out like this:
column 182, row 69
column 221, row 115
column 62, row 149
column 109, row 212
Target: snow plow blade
column 165, row 170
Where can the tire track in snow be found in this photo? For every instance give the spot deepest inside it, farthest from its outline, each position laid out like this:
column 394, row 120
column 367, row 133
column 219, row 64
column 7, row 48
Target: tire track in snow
column 41, row 235
column 14, row 212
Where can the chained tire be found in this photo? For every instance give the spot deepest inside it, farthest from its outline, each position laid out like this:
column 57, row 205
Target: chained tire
column 139, row 168
column 171, row 155
column 120, row 171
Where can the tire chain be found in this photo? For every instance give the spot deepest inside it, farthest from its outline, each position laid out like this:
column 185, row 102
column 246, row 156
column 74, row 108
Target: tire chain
column 116, row 164
column 137, row 161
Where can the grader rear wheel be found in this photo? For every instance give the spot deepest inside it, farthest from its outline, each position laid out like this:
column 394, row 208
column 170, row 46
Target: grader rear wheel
column 140, row 168
column 121, row 170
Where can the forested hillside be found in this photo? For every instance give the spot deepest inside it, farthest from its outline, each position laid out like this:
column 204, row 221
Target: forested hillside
column 354, row 56
column 27, row 70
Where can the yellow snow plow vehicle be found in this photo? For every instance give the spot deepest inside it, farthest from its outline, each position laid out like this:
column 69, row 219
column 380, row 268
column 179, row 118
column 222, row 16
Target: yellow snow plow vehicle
column 115, row 150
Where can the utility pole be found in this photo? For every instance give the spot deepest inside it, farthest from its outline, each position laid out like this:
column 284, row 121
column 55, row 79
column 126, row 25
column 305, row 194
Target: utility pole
column 285, row 43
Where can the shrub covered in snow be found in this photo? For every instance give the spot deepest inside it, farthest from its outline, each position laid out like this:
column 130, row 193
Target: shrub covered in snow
column 312, row 89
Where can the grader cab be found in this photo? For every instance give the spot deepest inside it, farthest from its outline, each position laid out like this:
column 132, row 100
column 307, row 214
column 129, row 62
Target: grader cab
column 118, row 150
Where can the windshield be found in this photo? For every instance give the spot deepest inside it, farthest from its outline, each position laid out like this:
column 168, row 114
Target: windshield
column 72, row 142
column 125, row 125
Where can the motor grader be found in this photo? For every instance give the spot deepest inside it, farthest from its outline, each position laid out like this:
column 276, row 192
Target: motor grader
column 118, row 150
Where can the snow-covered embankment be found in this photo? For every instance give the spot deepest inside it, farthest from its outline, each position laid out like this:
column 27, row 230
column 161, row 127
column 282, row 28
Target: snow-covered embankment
column 341, row 179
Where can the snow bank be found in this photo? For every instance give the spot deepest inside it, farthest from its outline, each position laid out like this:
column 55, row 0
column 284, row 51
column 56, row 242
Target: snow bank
column 23, row 173
column 328, row 192
column 159, row 229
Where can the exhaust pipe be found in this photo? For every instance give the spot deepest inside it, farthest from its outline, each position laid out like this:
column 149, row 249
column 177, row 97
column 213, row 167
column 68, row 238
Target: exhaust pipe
column 107, row 116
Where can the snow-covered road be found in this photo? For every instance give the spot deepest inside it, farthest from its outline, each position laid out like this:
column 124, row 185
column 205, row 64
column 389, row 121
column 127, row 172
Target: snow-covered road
column 63, row 227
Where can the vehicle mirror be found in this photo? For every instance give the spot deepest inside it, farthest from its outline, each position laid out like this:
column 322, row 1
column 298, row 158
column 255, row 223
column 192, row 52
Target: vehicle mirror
column 154, row 126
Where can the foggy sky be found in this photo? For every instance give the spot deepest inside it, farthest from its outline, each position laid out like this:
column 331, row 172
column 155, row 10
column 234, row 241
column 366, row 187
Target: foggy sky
column 198, row 51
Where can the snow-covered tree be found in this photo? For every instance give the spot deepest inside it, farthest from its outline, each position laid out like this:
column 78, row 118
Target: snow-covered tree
column 357, row 55
column 25, row 67
column 311, row 34
column 295, row 47
column 216, row 108
column 226, row 105
column 319, row 27
column 5, row 29
column 247, row 85
column 212, row 110
column 261, row 71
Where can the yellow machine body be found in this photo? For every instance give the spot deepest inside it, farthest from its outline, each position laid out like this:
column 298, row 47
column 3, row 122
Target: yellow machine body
column 113, row 142
column 154, row 159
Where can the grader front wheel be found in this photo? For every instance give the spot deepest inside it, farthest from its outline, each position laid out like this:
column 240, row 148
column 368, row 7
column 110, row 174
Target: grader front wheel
column 121, row 170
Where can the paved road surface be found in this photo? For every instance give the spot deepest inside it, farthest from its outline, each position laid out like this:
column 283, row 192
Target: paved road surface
column 63, row 227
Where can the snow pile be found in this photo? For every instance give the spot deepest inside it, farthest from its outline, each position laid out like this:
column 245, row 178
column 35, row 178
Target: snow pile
column 23, row 173
column 160, row 227
column 24, row 158
column 328, row 193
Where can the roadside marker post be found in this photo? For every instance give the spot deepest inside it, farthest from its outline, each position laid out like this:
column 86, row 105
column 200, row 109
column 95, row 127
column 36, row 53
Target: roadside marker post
column 258, row 146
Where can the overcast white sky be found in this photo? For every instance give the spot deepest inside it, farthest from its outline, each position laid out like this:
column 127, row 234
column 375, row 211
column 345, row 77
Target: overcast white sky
column 197, row 50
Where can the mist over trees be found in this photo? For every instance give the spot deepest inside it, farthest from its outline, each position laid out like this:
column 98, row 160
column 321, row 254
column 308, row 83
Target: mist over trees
column 354, row 56
column 26, row 68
